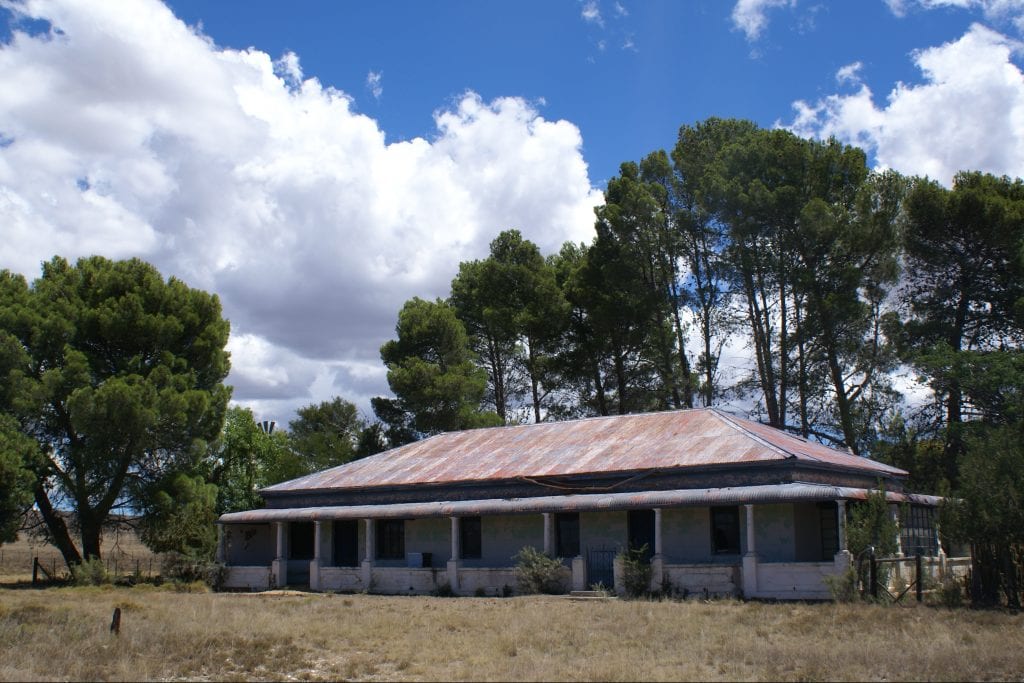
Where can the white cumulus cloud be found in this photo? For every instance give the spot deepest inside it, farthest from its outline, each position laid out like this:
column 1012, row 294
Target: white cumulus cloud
column 751, row 16
column 124, row 132
column 968, row 114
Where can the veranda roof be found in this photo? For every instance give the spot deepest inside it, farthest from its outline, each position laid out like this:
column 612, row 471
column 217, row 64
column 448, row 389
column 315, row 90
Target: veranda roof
column 738, row 495
column 601, row 445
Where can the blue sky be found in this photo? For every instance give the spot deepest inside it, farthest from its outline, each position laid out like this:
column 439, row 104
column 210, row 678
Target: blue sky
column 627, row 74
column 316, row 164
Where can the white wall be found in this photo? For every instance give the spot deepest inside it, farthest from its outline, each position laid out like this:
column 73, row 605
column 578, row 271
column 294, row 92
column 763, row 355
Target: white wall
column 774, row 532
column 504, row 536
column 607, row 529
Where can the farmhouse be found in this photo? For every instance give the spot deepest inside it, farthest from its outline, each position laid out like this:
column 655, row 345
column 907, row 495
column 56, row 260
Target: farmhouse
column 722, row 505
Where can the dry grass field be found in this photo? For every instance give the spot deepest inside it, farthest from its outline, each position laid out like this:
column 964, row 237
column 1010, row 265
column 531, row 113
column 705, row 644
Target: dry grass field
column 63, row 633
column 122, row 551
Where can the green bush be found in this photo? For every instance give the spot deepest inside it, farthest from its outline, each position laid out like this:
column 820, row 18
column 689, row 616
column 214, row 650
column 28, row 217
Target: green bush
column 186, row 569
column 538, row 573
column 91, row 572
column 636, row 571
column 843, row 587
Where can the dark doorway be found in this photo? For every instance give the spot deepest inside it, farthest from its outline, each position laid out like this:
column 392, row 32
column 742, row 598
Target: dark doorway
column 301, row 540
column 346, row 543
column 601, row 567
column 567, row 534
column 641, row 531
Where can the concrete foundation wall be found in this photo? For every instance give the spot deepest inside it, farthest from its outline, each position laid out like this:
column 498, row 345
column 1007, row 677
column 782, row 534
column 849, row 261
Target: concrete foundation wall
column 342, row 579
column 794, row 580
column 487, row 581
column 249, row 578
column 249, row 544
column 716, row 580
column 396, row 581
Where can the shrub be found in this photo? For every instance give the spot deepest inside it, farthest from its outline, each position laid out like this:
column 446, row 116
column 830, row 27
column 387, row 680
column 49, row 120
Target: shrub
column 186, row 569
column 951, row 593
column 843, row 587
column 538, row 573
column 636, row 571
column 91, row 572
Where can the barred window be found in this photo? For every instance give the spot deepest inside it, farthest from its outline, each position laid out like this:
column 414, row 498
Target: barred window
column 725, row 530
column 917, row 530
column 391, row 539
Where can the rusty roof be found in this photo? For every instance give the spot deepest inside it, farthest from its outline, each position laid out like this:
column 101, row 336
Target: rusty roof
column 601, row 445
column 735, row 495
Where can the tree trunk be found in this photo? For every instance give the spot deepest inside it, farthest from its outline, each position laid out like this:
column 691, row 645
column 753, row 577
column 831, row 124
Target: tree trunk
column 58, row 528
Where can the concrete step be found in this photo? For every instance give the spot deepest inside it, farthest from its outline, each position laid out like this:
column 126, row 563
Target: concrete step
column 589, row 594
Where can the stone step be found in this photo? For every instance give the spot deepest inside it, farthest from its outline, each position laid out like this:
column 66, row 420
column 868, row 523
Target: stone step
column 589, row 594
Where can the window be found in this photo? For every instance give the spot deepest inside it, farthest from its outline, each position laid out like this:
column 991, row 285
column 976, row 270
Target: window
column 917, row 530
column 346, row 543
column 300, row 540
column 390, row 539
column 567, row 534
column 725, row 530
column 828, row 522
column 470, row 533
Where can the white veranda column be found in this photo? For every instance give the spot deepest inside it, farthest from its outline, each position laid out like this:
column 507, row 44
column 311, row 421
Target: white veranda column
column 657, row 563
column 453, row 563
column 549, row 534
column 316, row 562
column 367, row 566
column 280, row 566
column 841, row 515
column 750, row 557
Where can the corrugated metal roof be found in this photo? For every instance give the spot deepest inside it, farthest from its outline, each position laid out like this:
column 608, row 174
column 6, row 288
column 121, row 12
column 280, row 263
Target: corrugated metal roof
column 601, row 445
column 737, row 495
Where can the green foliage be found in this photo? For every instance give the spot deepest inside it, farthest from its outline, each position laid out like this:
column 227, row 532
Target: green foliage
column 326, row 434
column 181, row 516
column 514, row 312
column 190, row 573
column 538, row 573
column 118, row 377
column 245, row 459
column 432, row 373
column 872, row 525
column 988, row 512
column 16, row 479
column 843, row 587
column 90, row 572
column 636, row 571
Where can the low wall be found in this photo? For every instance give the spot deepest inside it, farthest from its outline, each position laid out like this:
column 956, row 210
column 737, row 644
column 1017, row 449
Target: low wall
column 490, row 581
column 794, row 580
column 712, row 579
column 250, row 578
column 398, row 580
column 341, row 579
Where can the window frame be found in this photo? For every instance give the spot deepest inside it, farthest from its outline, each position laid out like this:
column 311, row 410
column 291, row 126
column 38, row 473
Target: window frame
column 390, row 542
column 732, row 514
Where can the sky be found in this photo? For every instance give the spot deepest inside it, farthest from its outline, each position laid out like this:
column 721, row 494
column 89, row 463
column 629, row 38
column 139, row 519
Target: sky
column 318, row 163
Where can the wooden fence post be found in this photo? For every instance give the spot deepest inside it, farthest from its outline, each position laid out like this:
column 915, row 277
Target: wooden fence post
column 920, row 574
column 873, row 573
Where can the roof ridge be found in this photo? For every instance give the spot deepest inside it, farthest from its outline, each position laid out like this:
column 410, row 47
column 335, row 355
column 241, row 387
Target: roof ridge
column 731, row 421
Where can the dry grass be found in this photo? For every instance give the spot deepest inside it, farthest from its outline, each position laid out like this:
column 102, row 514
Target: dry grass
column 63, row 633
column 122, row 550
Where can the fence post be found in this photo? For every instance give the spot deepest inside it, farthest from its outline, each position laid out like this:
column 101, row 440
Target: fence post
column 920, row 574
column 35, row 570
column 873, row 573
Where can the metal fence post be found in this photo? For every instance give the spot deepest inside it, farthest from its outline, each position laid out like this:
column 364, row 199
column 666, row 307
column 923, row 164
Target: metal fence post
column 919, row 561
column 873, row 572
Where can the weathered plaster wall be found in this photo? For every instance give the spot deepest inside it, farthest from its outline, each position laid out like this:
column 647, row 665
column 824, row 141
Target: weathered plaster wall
column 504, row 536
column 807, row 530
column 250, row 544
column 603, row 529
column 686, row 535
column 774, row 533
column 432, row 535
